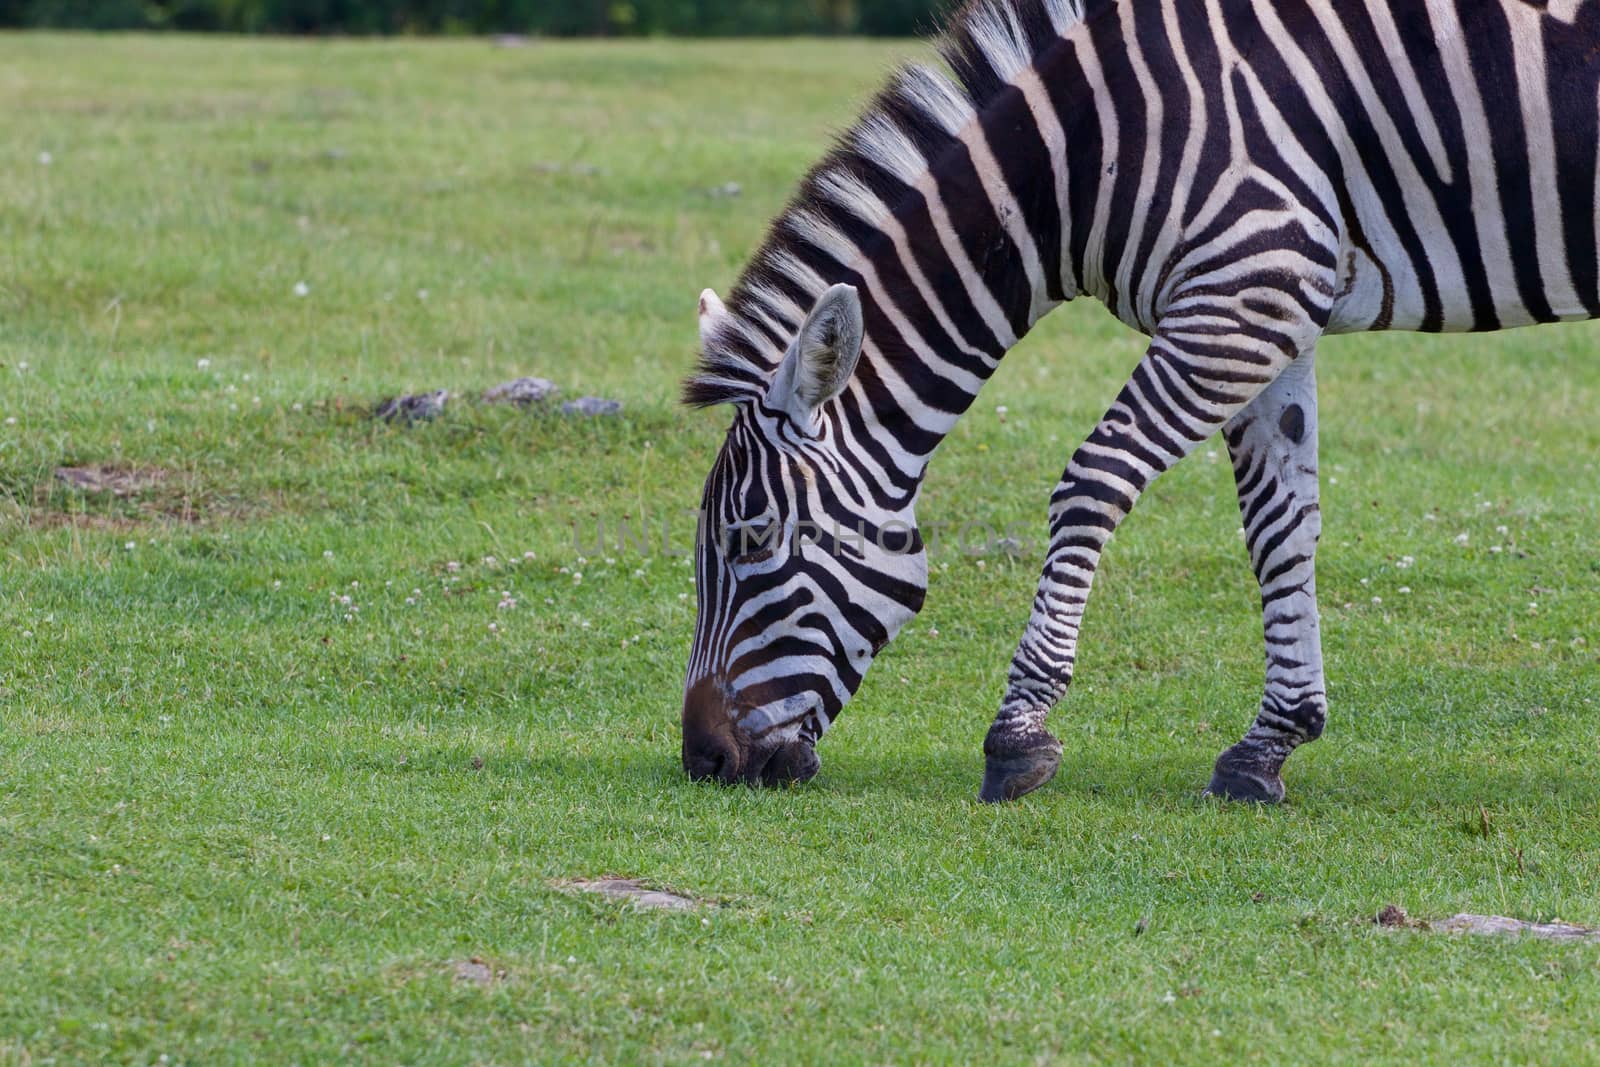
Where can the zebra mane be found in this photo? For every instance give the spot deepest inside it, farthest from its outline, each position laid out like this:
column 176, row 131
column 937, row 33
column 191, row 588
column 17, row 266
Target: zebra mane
column 900, row 137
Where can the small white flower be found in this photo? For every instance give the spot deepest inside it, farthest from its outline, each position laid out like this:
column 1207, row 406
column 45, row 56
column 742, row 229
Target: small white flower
column 577, row 577
column 1366, row 581
column 583, row 561
column 203, row 363
column 327, row 553
column 327, row 837
column 11, row 420
column 349, row 618
column 1001, row 410
column 638, row 572
column 586, row 624
column 355, row 585
column 611, row 561
column 1533, row 605
column 345, row 601
column 1503, row 531
column 1495, row 550
column 130, row 546
column 1462, row 539
column 1377, row 600
column 490, row 561
column 933, row 631
column 452, row 566
column 302, row 289
column 411, row 601
column 529, row 556
column 1405, row 562
column 494, row 627
column 297, row 406
column 22, row 365
column 422, row 294
column 277, row 584
column 45, row 159
column 983, row 565
column 27, row 633
column 1405, row 590
column 683, row 596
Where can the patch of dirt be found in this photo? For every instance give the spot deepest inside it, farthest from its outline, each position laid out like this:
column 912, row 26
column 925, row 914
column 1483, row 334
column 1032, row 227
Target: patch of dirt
column 1500, row 926
column 635, row 892
column 476, row 972
column 1394, row 917
column 126, row 498
column 118, row 481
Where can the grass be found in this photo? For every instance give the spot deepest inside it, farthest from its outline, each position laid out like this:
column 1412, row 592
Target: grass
column 237, row 826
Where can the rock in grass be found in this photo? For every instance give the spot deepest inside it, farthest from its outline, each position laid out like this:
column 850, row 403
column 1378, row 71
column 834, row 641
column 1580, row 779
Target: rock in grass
column 592, row 407
column 522, row 392
column 416, row 407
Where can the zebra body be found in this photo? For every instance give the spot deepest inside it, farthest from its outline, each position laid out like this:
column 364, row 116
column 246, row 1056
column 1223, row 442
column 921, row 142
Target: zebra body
column 1234, row 178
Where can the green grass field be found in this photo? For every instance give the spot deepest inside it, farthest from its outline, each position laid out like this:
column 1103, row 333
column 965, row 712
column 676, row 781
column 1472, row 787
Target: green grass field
column 242, row 820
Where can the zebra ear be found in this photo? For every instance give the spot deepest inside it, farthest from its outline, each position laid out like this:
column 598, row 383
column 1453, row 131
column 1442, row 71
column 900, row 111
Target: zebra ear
column 823, row 356
column 711, row 313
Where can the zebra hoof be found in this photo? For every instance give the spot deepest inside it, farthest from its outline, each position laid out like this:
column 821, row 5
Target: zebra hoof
column 1015, row 767
column 1246, row 777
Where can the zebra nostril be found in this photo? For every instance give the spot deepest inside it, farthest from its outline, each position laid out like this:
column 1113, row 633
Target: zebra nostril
column 709, row 761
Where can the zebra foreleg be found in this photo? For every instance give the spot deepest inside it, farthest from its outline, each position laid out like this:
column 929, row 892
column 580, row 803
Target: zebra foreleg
column 1177, row 398
column 1273, row 443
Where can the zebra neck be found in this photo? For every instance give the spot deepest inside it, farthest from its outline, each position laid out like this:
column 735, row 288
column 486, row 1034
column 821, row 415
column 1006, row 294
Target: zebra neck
column 985, row 241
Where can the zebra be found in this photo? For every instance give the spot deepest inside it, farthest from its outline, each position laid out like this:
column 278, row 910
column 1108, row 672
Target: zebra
column 1234, row 179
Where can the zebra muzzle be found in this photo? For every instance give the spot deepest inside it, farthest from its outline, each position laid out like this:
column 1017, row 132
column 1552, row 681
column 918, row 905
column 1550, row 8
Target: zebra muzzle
column 714, row 746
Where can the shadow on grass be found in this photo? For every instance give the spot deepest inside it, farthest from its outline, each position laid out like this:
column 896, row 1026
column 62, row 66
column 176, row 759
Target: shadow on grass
column 1168, row 780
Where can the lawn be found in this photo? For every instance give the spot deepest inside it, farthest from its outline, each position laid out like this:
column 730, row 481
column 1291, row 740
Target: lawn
column 245, row 819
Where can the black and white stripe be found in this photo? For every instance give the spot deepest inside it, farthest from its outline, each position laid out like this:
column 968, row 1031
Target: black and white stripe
column 1235, row 178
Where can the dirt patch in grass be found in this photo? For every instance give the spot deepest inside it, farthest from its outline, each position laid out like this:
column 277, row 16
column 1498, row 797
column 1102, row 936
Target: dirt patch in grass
column 635, row 892
column 126, row 497
column 1500, row 926
column 476, row 971
column 1394, row 917
column 118, row 481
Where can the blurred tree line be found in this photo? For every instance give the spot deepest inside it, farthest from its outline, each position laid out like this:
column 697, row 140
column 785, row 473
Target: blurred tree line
column 555, row 17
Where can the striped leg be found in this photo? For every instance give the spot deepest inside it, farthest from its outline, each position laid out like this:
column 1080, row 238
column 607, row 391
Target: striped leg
column 1183, row 392
column 1273, row 443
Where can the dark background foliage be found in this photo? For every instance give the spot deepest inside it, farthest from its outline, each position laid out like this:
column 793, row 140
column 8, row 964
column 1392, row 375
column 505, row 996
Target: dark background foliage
column 557, row 17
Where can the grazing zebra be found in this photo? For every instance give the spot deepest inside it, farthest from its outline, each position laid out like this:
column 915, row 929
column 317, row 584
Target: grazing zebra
column 1233, row 178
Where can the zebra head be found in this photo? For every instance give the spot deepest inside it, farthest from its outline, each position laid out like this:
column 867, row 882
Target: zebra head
column 804, row 567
